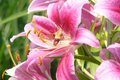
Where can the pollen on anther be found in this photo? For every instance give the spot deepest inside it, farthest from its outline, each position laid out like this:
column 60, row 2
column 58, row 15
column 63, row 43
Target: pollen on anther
column 39, row 33
column 40, row 60
column 35, row 30
column 18, row 57
column 42, row 38
column 27, row 49
column 3, row 73
column 34, row 24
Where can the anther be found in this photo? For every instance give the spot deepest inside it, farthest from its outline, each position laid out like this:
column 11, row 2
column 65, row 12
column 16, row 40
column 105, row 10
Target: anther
column 35, row 29
column 61, row 37
column 42, row 38
column 39, row 33
column 57, row 37
column 30, row 1
column 27, row 49
column 3, row 74
column 8, row 46
column 18, row 57
column 40, row 60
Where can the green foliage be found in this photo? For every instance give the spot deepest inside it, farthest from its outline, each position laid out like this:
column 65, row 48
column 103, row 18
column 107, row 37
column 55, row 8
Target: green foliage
column 13, row 17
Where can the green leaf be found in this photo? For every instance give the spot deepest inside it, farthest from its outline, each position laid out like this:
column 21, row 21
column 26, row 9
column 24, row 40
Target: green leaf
column 13, row 17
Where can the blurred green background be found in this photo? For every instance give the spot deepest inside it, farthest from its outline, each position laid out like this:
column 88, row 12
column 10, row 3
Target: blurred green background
column 13, row 17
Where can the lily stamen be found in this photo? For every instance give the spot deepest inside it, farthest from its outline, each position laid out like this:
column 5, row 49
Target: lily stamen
column 41, row 36
column 18, row 57
column 42, row 39
column 28, row 33
column 61, row 36
column 40, row 31
column 40, row 60
column 27, row 49
column 3, row 74
column 34, row 24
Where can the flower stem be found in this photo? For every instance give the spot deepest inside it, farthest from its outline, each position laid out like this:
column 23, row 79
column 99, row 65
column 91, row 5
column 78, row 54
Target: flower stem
column 86, row 58
column 91, row 55
column 84, row 72
column 109, row 24
column 102, row 24
column 90, row 59
column 88, row 74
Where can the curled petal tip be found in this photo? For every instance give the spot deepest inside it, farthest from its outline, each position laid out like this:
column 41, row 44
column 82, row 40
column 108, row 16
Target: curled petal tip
column 12, row 39
column 16, row 36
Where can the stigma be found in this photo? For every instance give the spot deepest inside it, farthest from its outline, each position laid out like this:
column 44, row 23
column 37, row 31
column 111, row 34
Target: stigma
column 57, row 37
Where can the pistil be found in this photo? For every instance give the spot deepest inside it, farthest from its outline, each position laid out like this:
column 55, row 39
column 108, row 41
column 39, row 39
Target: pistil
column 57, row 37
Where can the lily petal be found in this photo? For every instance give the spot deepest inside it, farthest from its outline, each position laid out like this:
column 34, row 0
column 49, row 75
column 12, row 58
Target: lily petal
column 87, row 16
column 70, row 15
column 84, row 36
column 109, row 70
column 36, row 67
column 20, row 72
column 33, row 37
column 45, row 24
column 53, row 13
column 110, row 9
column 11, row 71
column 12, row 78
column 32, row 45
column 38, row 5
column 42, row 23
column 65, row 70
column 59, row 52
column 39, row 64
column 41, row 54
column 18, row 35
column 39, row 69
column 103, row 54
column 115, row 51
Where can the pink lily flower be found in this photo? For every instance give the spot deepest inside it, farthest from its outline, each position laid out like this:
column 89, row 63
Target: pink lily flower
column 110, row 68
column 35, row 68
column 110, row 9
column 61, row 34
column 59, row 29
column 38, row 5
